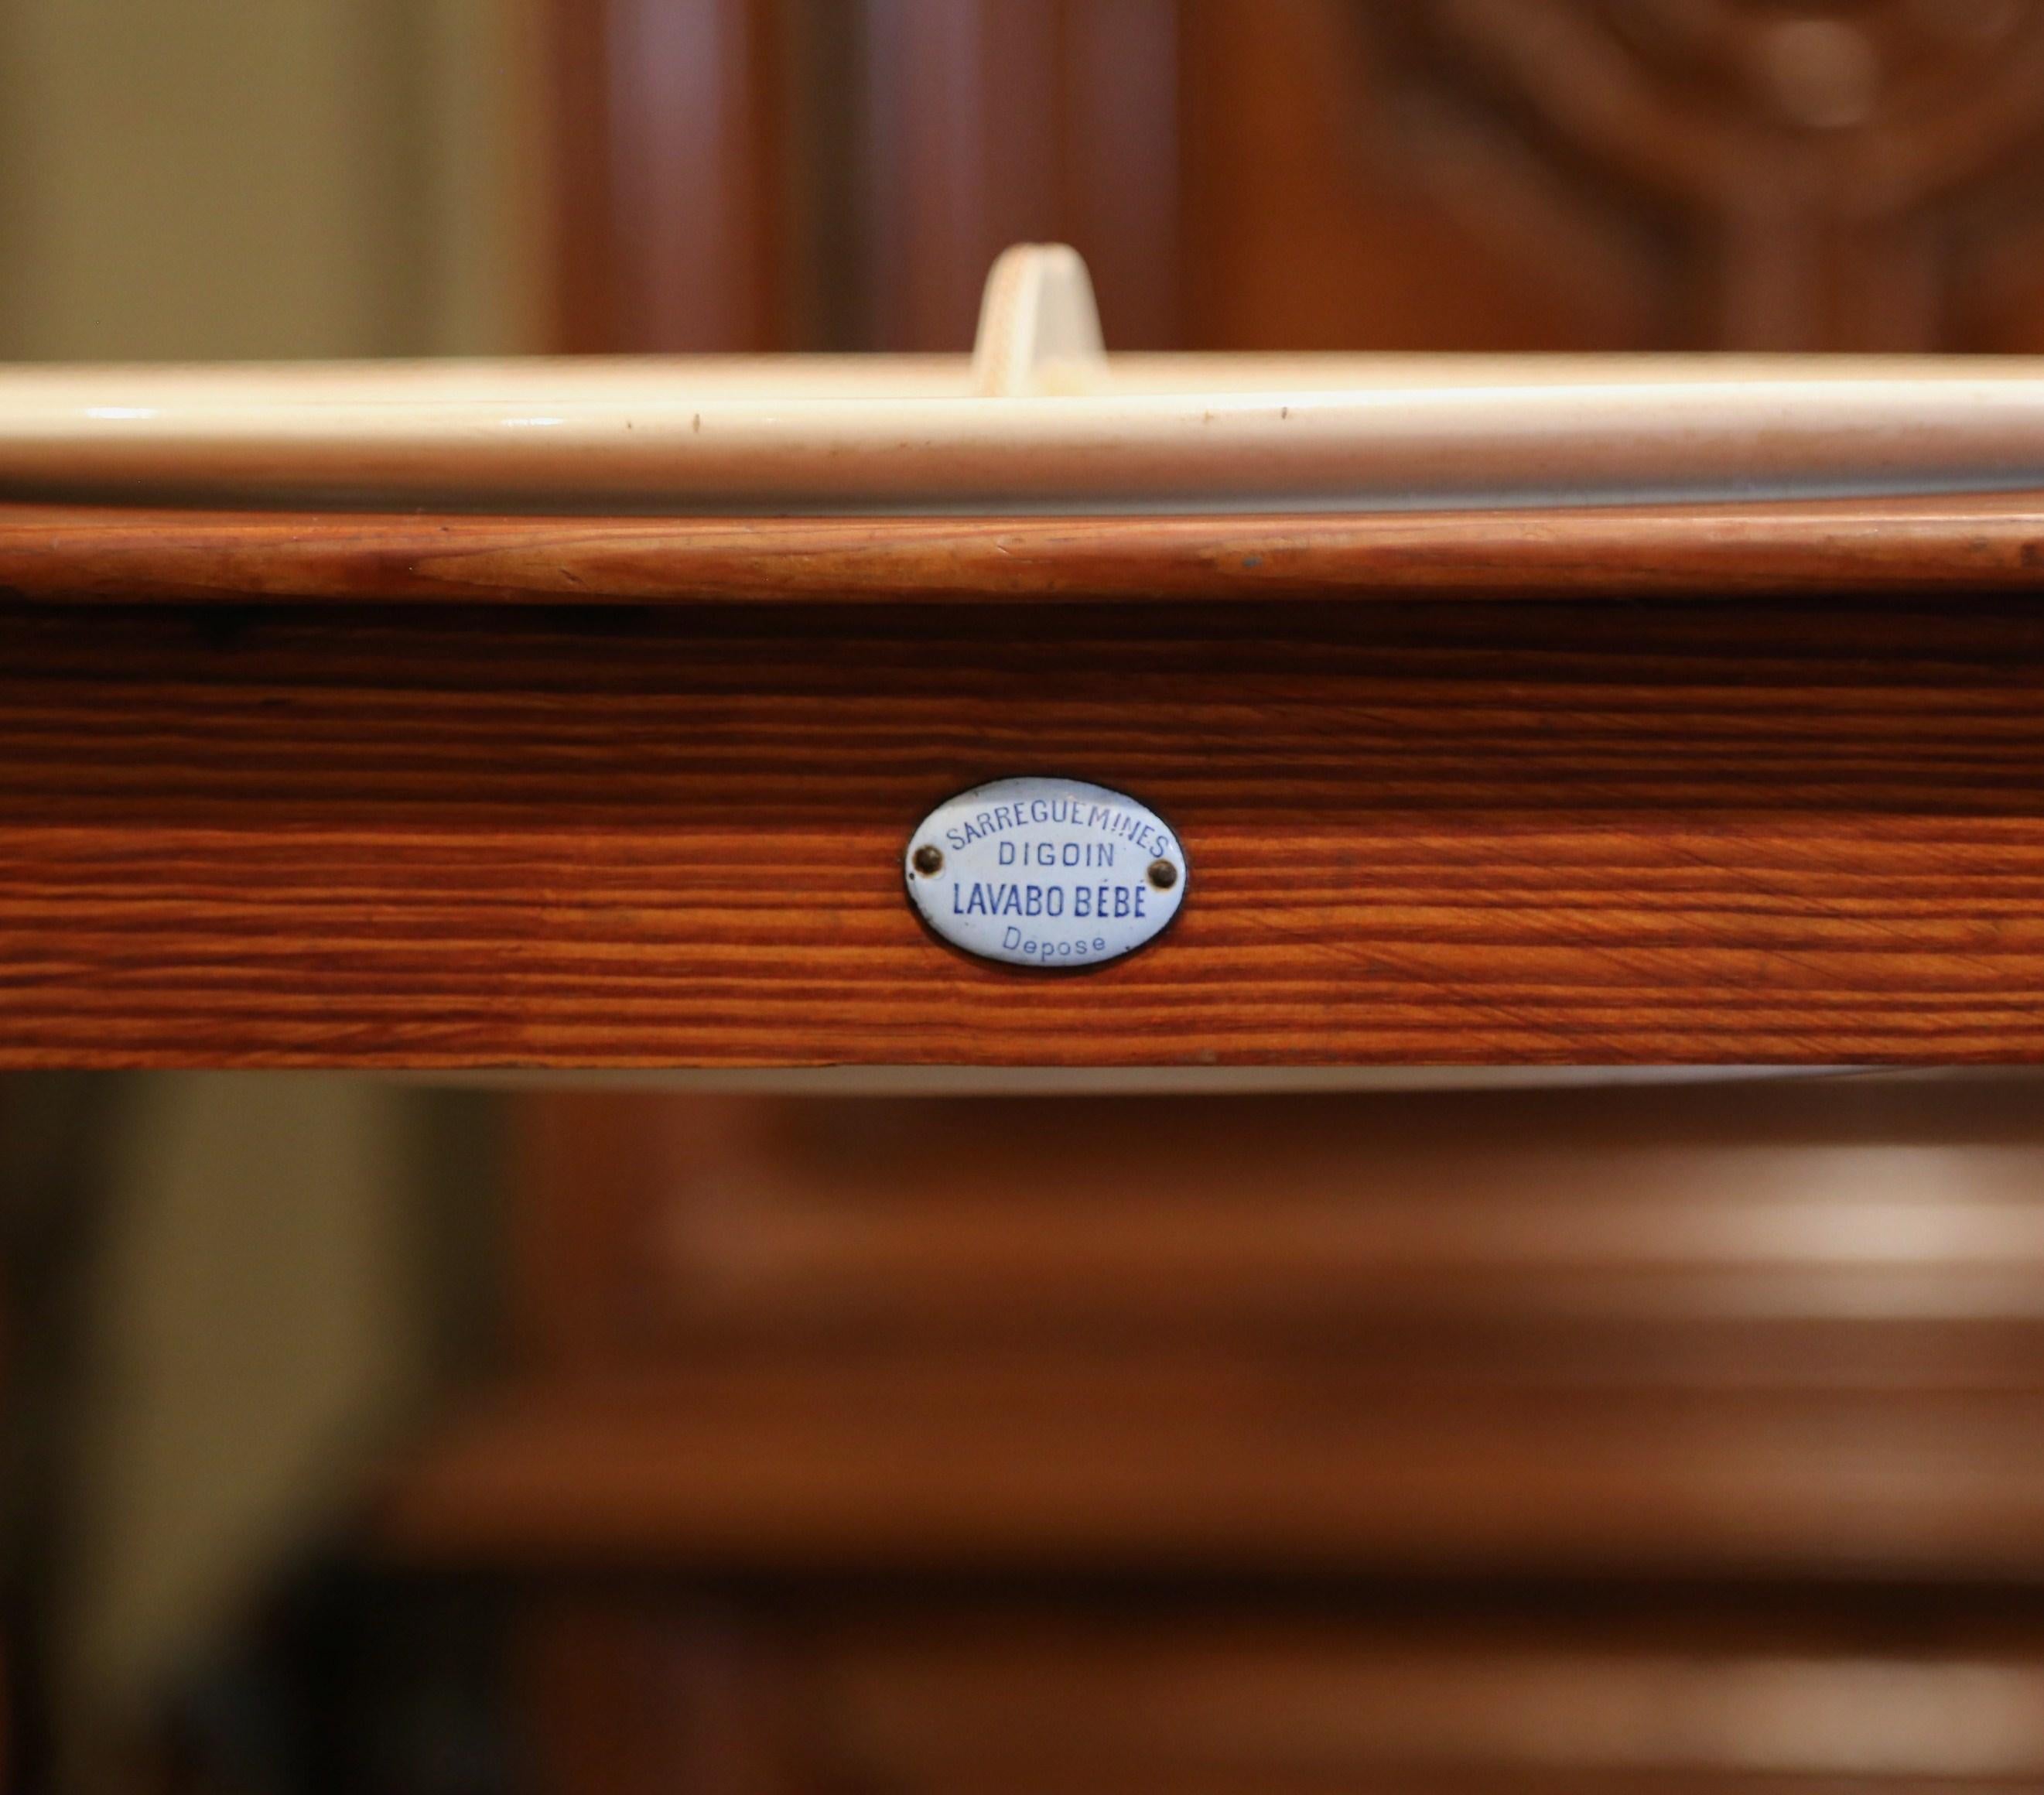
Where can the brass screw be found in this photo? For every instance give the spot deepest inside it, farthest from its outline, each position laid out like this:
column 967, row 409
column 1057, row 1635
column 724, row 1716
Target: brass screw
column 1164, row 874
column 929, row 860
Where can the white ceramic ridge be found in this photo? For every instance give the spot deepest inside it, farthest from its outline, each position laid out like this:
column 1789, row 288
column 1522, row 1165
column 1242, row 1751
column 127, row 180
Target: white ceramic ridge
column 1038, row 420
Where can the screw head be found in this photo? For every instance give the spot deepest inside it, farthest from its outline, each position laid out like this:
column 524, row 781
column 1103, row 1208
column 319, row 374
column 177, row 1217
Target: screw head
column 927, row 859
column 1164, row 874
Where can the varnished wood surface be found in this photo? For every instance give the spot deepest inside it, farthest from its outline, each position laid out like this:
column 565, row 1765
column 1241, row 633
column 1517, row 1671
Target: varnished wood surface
column 1993, row 541
column 1472, row 833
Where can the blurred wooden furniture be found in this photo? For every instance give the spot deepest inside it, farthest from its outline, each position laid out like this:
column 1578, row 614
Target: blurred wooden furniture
column 1383, row 1693
column 1611, row 1437
column 1759, row 1328
column 1531, row 174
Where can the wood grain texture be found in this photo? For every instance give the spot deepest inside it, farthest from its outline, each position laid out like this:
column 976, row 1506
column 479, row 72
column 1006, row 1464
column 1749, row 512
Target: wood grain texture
column 1990, row 541
column 1547, row 833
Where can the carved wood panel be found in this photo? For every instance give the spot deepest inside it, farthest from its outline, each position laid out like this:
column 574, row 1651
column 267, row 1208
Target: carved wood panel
column 1246, row 173
column 1582, row 173
column 1833, row 167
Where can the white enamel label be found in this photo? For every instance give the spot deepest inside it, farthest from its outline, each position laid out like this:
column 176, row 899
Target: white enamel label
column 1045, row 872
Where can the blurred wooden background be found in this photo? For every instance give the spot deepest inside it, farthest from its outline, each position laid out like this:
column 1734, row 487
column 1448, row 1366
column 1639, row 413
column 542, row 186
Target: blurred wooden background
column 1508, row 175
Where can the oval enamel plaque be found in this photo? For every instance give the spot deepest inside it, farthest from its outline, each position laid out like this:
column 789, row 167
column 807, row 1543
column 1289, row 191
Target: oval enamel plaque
column 1045, row 872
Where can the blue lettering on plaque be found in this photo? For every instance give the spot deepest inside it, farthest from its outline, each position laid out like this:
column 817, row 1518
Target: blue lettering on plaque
column 1033, row 850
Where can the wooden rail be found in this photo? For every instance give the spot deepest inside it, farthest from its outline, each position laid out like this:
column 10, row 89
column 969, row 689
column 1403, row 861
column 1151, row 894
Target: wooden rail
column 1801, row 822
column 1993, row 541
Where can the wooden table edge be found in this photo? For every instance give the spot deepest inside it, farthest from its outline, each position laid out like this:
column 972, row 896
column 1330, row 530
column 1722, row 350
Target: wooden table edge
column 159, row 554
